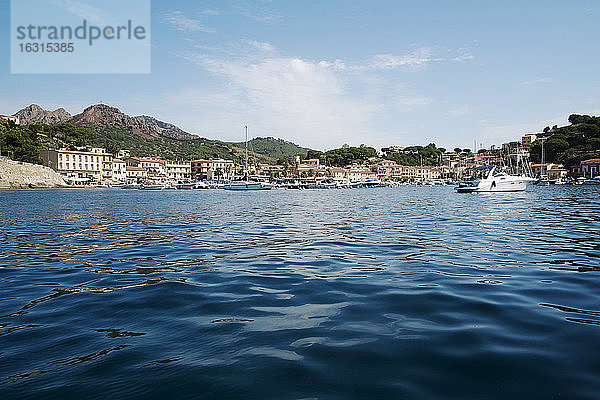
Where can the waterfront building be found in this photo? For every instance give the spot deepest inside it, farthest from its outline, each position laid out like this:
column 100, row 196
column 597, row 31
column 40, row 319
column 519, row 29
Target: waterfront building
column 221, row 169
column 154, row 166
column 588, row 168
column 387, row 169
column 119, row 170
column 217, row 168
column 77, row 166
column 338, row 173
column 199, row 168
column 107, row 164
column 273, row 171
column 420, row 173
column 358, row 173
column 553, row 171
column 177, row 169
column 136, row 174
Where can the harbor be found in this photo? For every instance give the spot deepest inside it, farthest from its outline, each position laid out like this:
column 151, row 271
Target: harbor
column 303, row 200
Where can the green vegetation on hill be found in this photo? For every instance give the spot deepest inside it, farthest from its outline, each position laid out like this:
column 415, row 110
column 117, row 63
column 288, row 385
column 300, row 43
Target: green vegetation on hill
column 19, row 142
column 569, row 145
column 430, row 155
column 341, row 157
column 114, row 138
column 347, row 155
column 273, row 148
column 24, row 143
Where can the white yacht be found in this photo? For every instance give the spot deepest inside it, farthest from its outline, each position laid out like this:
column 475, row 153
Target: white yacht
column 496, row 182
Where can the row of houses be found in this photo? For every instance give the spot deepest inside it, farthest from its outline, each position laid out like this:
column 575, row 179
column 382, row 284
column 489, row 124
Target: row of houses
column 94, row 165
column 382, row 170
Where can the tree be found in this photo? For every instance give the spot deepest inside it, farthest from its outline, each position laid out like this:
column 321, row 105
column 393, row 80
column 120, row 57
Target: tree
column 313, row 154
column 21, row 143
column 589, row 130
column 457, row 150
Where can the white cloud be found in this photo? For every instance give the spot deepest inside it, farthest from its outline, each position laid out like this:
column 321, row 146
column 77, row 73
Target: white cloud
column 186, row 24
column 463, row 57
column 535, row 81
column 418, row 58
column 261, row 46
column 457, row 112
column 312, row 102
column 85, row 11
column 287, row 96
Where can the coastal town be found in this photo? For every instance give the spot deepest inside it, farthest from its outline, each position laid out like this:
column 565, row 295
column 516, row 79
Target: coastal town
column 95, row 166
column 88, row 166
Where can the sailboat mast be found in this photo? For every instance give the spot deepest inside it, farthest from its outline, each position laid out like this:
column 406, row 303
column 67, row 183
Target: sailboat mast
column 543, row 159
column 246, row 151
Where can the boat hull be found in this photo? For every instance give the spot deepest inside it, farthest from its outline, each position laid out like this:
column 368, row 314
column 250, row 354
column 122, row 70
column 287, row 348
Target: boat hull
column 509, row 186
column 496, row 182
column 248, row 186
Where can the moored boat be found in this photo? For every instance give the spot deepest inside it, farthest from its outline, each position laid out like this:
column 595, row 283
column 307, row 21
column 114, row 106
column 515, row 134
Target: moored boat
column 496, row 182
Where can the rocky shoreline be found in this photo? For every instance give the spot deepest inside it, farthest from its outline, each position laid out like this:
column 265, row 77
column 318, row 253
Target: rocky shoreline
column 19, row 175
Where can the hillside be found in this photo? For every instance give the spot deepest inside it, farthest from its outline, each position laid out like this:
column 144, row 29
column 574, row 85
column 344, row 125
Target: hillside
column 35, row 114
column 569, row 145
column 273, row 147
column 105, row 126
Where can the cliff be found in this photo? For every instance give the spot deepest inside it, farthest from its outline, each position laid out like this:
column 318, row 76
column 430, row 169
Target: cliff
column 18, row 175
column 35, row 114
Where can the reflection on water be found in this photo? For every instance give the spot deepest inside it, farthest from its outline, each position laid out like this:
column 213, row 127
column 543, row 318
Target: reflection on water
column 406, row 292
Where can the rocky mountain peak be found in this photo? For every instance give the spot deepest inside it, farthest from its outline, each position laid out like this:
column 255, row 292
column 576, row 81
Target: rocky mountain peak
column 34, row 114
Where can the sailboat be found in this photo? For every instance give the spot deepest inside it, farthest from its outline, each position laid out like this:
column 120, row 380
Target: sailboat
column 543, row 179
column 247, row 184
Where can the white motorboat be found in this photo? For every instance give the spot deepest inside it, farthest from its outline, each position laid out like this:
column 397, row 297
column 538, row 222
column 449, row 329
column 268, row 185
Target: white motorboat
column 496, row 182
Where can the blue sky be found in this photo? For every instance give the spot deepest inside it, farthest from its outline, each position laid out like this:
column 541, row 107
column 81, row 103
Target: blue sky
column 325, row 73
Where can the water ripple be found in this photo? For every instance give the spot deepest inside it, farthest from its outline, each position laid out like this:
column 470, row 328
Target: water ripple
column 382, row 293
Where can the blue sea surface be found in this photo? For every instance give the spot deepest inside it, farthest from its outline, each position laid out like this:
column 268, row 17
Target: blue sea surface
column 405, row 293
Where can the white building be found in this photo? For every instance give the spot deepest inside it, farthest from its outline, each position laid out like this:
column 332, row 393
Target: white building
column 221, row 169
column 77, row 166
column 154, row 166
column 178, row 169
column 136, row 174
column 119, row 170
column 123, row 154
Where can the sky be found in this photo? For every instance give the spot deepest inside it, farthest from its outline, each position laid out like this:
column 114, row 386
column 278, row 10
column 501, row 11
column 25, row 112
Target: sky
column 327, row 73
